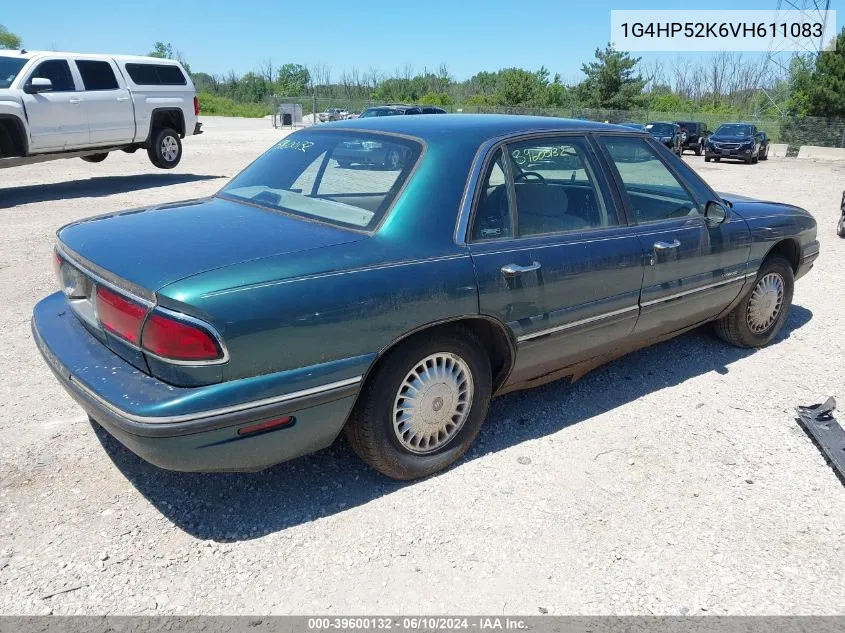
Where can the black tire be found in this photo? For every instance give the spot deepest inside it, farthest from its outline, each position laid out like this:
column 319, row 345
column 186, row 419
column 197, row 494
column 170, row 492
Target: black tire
column 717, row 159
column 343, row 163
column 840, row 227
column 765, row 155
column 370, row 429
column 734, row 327
column 698, row 150
column 95, row 158
column 706, row 159
column 755, row 159
column 165, row 157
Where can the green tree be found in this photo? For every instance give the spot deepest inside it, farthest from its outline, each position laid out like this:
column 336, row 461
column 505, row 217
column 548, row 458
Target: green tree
column 293, row 80
column 519, row 87
column 800, row 84
column 8, row 40
column 611, row 80
column 162, row 51
column 436, row 98
column 827, row 88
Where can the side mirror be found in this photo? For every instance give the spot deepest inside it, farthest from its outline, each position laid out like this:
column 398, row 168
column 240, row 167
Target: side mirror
column 38, row 84
column 715, row 213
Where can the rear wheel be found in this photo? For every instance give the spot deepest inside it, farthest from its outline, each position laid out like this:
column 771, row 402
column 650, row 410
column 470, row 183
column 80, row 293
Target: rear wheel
column 840, row 227
column 165, row 150
column 95, row 158
column 423, row 407
column 698, row 150
column 706, row 159
column 343, row 163
column 758, row 318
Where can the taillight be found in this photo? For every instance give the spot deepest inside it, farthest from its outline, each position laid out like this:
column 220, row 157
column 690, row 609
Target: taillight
column 174, row 339
column 196, row 106
column 119, row 315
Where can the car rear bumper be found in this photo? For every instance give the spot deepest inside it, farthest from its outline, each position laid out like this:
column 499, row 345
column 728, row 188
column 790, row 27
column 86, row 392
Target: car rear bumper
column 205, row 440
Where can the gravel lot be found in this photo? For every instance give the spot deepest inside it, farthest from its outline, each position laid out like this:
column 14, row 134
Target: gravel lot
column 673, row 481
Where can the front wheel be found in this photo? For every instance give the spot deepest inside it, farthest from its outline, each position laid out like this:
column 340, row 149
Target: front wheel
column 423, row 407
column 758, row 318
column 165, row 150
column 95, row 158
column 840, row 227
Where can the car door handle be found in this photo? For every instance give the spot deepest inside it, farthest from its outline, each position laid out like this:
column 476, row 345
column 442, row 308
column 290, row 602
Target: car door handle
column 74, row 100
column 123, row 98
column 511, row 270
column 665, row 246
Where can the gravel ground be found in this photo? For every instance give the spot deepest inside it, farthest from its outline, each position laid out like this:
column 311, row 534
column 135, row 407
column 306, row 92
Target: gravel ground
column 672, row 481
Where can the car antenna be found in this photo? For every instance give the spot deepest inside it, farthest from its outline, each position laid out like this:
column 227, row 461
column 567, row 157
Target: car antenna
column 24, row 51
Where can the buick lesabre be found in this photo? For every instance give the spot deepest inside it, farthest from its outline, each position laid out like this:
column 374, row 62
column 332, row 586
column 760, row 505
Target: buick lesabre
column 391, row 301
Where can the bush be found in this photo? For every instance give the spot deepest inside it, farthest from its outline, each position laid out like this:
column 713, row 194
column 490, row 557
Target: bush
column 224, row 106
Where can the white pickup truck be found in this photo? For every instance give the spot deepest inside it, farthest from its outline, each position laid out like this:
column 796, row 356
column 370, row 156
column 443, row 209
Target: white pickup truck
column 64, row 105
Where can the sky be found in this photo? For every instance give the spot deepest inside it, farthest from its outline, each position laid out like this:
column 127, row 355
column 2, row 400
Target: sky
column 217, row 36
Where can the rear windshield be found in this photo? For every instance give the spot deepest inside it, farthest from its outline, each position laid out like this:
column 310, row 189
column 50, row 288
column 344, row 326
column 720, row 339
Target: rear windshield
column 156, row 74
column 9, row 69
column 347, row 179
column 734, row 129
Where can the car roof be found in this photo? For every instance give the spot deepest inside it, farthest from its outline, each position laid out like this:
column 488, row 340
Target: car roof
column 474, row 128
column 27, row 54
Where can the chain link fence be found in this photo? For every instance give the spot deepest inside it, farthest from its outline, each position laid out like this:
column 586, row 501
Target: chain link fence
column 794, row 131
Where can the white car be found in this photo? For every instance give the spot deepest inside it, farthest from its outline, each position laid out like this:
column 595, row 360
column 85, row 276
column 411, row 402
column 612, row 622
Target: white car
column 63, row 105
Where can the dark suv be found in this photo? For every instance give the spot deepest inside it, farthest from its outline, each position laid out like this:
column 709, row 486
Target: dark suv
column 391, row 110
column 667, row 133
column 696, row 136
column 739, row 141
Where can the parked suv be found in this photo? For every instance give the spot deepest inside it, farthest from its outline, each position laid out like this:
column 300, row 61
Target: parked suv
column 696, row 135
column 391, row 110
column 64, row 105
column 667, row 133
column 739, row 141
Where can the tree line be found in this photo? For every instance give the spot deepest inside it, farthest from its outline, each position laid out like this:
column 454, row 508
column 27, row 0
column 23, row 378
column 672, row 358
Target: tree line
column 725, row 84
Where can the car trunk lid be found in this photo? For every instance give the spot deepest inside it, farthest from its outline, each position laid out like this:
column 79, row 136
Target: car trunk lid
column 150, row 248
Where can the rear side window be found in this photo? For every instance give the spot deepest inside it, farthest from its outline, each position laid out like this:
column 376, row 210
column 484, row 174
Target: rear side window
column 156, row 75
column 96, row 75
column 58, row 72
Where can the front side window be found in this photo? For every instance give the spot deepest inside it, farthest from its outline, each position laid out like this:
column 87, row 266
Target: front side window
column 348, row 179
column 96, row 75
column 58, row 72
column 653, row 191
column 9, row 69
column 556, row 187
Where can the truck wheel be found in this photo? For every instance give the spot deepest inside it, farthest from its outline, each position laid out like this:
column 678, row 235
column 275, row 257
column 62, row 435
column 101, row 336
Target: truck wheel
column 423, row 407
column 758, row 318
column 165, row 150
column 95, row 158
